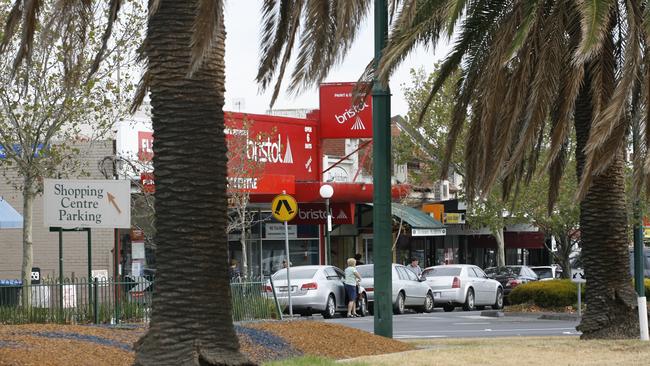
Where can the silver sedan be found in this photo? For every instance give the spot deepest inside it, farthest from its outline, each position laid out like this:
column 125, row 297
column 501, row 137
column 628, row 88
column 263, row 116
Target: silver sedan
column 315, row 289
column 408, row 290
column 463, row 285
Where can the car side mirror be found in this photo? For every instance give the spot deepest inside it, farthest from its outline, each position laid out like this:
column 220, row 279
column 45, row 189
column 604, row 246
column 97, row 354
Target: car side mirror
column 422, row 279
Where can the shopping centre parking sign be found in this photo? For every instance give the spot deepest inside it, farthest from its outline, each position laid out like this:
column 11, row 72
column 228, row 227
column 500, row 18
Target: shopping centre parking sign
column 87, row 203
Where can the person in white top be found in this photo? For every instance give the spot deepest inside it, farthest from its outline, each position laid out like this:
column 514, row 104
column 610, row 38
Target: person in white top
column 350, row 281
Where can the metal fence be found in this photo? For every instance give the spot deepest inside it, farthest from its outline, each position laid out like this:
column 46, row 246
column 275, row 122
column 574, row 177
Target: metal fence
column 108, row 301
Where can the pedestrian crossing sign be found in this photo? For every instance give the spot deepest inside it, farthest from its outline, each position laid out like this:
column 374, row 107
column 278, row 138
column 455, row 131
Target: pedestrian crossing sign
column 284, row 207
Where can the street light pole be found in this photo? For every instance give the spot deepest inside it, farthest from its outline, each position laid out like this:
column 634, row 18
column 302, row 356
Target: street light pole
column 382, row 224
column 326, row 192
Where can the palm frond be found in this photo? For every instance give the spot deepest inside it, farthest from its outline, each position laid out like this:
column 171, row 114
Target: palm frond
column 114, row 9
column 595, row 19
column 207, row 24
column 453, row 12
column 275, row 35
column 13, row 18
column 31, row 9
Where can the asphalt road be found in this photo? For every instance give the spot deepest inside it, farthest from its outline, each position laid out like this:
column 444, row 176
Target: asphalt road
column 462, row 324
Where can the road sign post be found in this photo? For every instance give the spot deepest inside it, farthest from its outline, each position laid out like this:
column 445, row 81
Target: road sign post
column 284, row 208
column 578, row 277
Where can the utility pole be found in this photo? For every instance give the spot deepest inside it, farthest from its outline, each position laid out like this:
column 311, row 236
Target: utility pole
column 382, row 217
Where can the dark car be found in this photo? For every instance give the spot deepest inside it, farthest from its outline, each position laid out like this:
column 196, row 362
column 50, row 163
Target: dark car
column 511, row 276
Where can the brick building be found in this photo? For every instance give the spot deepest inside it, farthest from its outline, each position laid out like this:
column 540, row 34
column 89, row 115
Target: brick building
column 45, row 247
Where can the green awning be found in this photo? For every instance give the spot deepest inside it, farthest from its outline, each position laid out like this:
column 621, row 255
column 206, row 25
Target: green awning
column 420, row 222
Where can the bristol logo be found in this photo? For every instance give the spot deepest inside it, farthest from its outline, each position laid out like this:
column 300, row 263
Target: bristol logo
column 267, row 151
column 351, row 113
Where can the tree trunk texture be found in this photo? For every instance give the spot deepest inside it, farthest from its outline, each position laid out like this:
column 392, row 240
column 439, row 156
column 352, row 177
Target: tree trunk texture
column 501, row 248
column 28, row 252
column 610, row 297
column 191, row 321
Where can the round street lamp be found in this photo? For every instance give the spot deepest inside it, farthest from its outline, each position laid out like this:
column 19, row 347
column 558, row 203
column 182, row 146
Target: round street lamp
column 326, row 192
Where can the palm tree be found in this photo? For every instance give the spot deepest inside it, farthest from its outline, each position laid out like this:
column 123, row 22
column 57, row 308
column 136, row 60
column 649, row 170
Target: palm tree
column 529, row 68
column 191, row 321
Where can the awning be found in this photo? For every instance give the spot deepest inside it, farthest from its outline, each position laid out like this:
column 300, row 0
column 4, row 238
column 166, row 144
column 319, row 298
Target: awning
column 420, row 222
column 9, row 218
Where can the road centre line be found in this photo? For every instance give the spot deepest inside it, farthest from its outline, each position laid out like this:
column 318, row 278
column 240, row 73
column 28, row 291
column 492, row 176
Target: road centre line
column 490, row 330
column 471, row 323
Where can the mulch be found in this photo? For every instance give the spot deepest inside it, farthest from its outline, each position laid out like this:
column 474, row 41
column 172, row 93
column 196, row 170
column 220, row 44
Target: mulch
column 53, row 344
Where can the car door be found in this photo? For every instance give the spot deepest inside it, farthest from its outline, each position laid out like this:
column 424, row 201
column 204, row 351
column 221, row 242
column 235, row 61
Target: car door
column 477, row 285
column 405, row 284
column 487, row 291
column 416, row 290
column 335, row 279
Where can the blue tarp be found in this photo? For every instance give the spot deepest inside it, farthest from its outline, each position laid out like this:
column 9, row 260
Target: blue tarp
column 9, row 218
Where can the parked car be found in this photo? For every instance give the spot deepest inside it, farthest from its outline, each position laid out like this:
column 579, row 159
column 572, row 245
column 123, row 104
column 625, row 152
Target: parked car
column 511, row 276
column 316, row 289
column 463, row 285
column 646, row 267
column 546, row 273
column 408, row 290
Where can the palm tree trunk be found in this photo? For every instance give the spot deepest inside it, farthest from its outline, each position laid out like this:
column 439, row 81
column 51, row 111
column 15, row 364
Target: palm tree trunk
column 610, row 298
column 191, row 320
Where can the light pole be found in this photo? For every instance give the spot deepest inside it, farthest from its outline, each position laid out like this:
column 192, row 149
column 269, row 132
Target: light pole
column 326, row 192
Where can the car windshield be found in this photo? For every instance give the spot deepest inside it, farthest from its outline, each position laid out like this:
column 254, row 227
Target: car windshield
column 543, row 272
column 500, row 271
column 441, row 271
column 296, row 273
column 366, row 271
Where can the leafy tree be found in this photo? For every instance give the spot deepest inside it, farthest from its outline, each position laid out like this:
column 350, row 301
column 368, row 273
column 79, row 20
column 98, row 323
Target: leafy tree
column 58, row 95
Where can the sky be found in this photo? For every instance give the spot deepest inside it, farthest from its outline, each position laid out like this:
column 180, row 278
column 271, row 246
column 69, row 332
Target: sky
column 243, row 24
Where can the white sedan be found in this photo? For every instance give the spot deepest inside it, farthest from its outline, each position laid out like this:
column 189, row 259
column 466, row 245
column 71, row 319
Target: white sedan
column 463, row 285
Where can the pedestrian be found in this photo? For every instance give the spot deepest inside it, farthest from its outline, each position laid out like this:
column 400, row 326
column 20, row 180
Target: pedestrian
column 414, row 267
column 357, row 257
column 233, row 270
column 284, row 264
column 352, row 278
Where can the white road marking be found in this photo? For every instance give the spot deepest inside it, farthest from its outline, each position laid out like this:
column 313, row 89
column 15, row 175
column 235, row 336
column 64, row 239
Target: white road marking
column 470, row 323
column 404, row 336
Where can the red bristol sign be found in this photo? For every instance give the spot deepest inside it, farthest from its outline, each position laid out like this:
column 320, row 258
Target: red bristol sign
column 339, row 117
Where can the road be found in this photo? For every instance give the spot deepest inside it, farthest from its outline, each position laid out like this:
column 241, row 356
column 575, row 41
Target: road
column 461, row 324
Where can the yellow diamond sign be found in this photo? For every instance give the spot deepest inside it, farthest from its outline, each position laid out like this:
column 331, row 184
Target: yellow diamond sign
column 284, row 207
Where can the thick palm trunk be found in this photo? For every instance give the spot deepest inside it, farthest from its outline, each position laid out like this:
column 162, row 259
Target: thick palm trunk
column 610, row 298
column 191, row 320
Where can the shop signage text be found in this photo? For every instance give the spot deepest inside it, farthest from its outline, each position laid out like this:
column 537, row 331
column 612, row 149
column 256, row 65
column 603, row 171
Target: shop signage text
column 428, row 232
column 276, row 231
column 339, row 117
column 87, row 203
column 315, row 214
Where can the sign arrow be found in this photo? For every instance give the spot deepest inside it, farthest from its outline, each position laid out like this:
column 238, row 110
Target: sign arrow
column 112, row 200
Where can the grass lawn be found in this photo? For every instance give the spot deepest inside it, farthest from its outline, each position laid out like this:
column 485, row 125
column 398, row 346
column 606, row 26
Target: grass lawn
column 502, row 352
column 518, row 351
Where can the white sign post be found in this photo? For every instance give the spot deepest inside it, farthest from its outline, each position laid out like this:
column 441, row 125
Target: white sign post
column 578, row 277
column 87, row 203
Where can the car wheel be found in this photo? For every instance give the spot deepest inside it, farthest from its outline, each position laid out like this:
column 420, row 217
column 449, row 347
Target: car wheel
column 330, row 308
column 399, row 304
column 498, row 303
column 469, row 301
column 448, row 308
column 362, row 306
column 428, row 303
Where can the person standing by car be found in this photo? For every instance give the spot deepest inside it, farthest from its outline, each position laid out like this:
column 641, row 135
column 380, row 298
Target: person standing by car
column 415, row 268
column 352, row 277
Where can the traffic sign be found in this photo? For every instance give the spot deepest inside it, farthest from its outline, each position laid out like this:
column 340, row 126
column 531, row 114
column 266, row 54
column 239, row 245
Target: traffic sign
column 284, row 207
column 87, row 203
column 578, row 275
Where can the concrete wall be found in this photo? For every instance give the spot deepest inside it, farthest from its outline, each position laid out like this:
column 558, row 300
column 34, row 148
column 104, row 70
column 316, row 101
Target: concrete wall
column 46, row 244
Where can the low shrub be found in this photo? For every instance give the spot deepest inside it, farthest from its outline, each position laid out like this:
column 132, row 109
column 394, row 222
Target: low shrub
column 553, row 293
